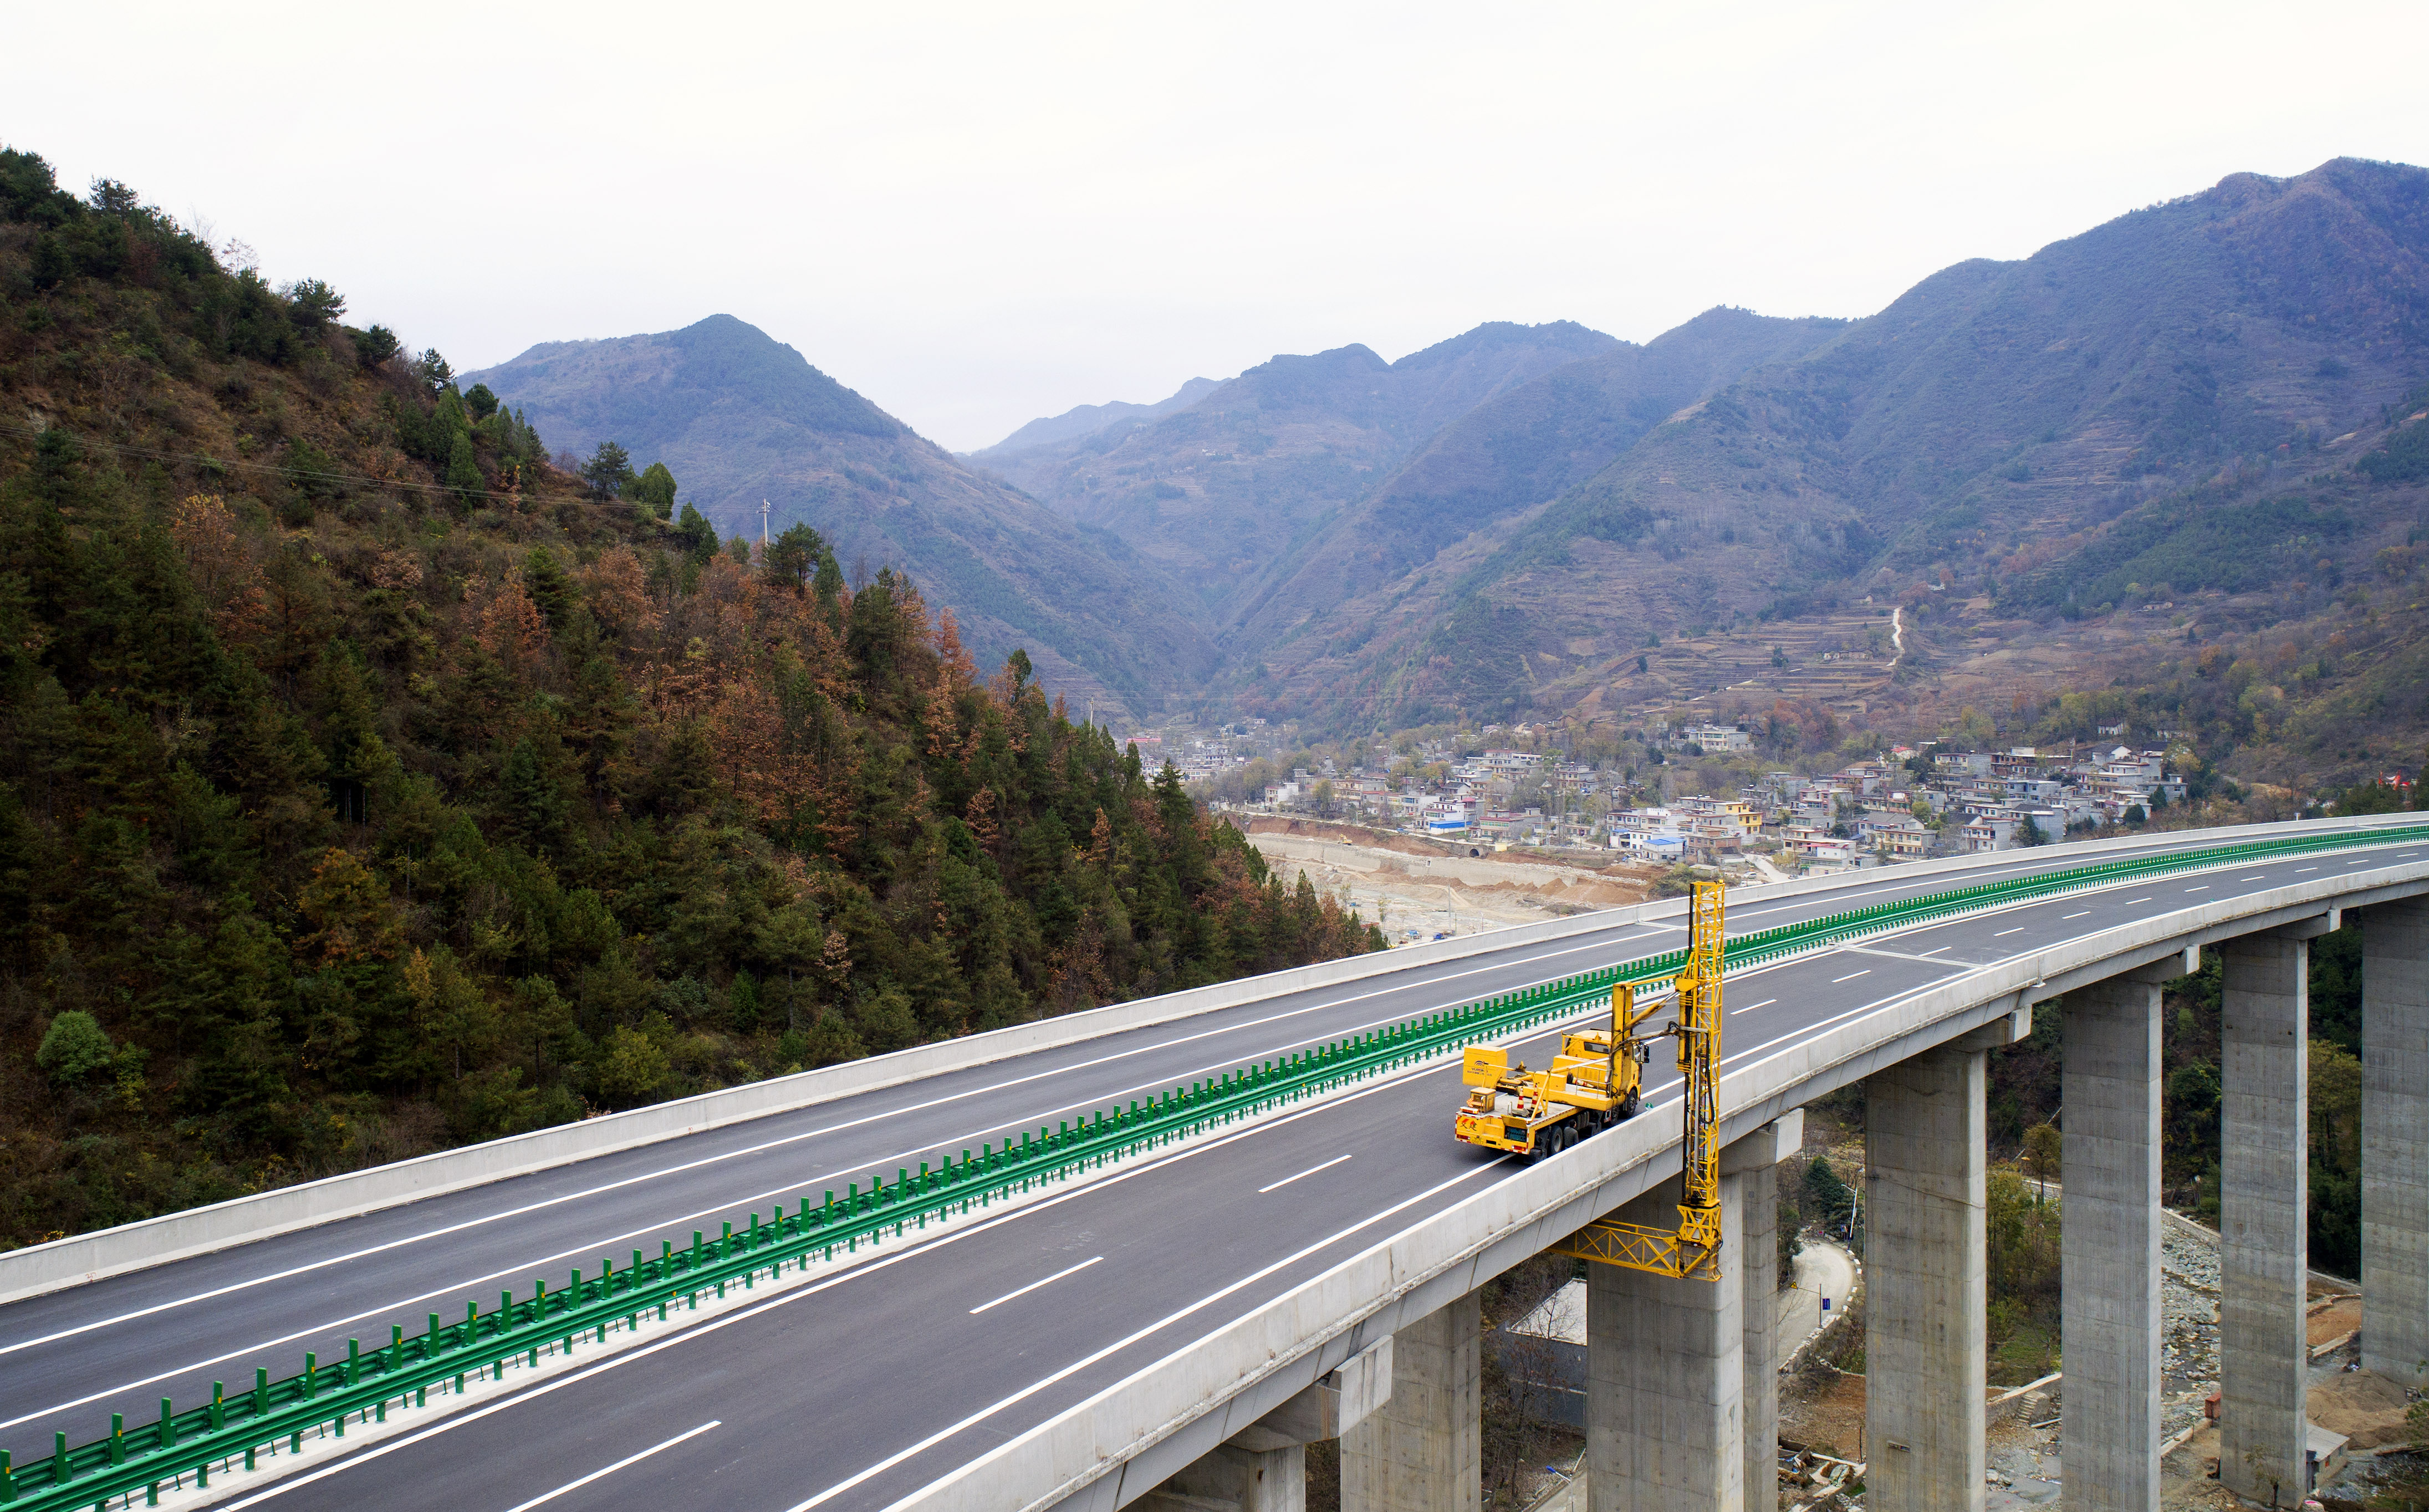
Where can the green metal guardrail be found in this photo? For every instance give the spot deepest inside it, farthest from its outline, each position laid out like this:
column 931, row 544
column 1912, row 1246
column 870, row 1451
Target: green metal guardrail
column 446, row 1356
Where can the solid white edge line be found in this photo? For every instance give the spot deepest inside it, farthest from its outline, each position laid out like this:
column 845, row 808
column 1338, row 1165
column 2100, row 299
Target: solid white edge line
column 760, row 1148
column 601, row 1474
column 807, row 1134
column 1309, row 1172
column 1649, row 1107
column 1027, row 1290
column 886, row 1262
column 1772, row 906
column 518, row 1269
column 1763, row 1051
column 1148, row 1331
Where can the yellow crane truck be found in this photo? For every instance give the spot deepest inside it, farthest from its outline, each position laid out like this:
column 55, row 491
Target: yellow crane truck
column 1597, row 1079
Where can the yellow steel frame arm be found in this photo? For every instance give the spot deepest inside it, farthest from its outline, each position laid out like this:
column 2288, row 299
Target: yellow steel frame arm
column 1694, row 1249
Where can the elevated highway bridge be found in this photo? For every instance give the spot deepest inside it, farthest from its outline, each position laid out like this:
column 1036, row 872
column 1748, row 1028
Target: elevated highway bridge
column 1270, row 1238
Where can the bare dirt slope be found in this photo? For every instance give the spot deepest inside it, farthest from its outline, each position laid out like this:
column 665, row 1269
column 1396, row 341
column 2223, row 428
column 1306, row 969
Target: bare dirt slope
column 1410, row 883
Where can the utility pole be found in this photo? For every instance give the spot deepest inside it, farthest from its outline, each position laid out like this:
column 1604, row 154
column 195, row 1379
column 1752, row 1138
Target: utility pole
column 764, row 507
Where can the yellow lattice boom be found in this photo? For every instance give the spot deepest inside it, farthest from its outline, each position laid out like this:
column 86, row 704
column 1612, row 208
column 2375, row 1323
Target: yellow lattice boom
column 1694, row 1249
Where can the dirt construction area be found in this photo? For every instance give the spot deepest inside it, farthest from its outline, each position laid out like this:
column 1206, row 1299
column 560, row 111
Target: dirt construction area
column 1409, row 883
column 1822, row 1410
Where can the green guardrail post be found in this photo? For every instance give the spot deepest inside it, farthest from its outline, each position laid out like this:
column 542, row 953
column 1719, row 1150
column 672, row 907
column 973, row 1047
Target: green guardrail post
column 353, row 1358
column 118, row 1438
column 311, row 1374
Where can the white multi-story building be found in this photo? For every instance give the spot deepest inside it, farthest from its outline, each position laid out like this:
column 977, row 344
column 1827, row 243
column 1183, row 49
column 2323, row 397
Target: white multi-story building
column 1716, row 737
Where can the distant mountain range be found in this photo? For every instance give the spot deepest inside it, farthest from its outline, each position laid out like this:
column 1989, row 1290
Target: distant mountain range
column 1994, row 415
column 1224, row 492
column 1500, row 521
column 1087, row 419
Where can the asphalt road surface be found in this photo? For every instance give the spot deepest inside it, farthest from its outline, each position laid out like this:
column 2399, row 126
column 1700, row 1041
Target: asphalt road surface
column 861, row 1388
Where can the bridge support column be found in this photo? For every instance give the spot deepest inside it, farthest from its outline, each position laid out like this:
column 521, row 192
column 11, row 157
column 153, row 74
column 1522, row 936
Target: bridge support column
column 1665, row 1374
column 2395, row 1140
column 1422, row 1451
column 1754, row 1160
column 1926, row 1272
column 2110, row 1244
column 2264, row 1251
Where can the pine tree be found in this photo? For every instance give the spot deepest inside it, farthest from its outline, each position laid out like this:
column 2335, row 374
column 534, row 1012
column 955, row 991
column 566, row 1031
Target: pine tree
column 529, row 802
column 793, row 556
column 609, row 471
column 698, row 535
column 654, row 488
column 463, row 473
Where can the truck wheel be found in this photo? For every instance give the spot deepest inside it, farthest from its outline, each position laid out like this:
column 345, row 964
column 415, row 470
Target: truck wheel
column 1633, row 1105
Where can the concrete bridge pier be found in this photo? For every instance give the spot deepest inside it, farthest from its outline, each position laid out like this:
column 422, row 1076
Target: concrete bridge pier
column 1665, row 1374
column 2264, row 1251
column 1682, row 1377
column 2395, row 1146
column 1754, row 1160
column 2110, row 1244
column 1927, row 1274
column 1422, row 1450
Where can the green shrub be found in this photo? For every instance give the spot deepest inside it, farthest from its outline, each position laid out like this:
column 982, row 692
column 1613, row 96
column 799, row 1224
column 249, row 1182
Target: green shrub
column 73, row 1048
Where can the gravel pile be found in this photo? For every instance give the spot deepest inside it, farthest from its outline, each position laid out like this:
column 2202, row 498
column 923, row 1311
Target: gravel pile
column 2188, row 1305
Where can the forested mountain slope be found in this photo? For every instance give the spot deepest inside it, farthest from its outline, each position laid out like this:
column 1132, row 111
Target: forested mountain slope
column 1519, row 448
column 741, row 419
column 1997, row 416
column 366, row 785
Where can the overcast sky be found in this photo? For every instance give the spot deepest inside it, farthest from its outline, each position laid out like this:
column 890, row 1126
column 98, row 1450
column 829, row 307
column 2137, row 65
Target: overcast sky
column 977, row 215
